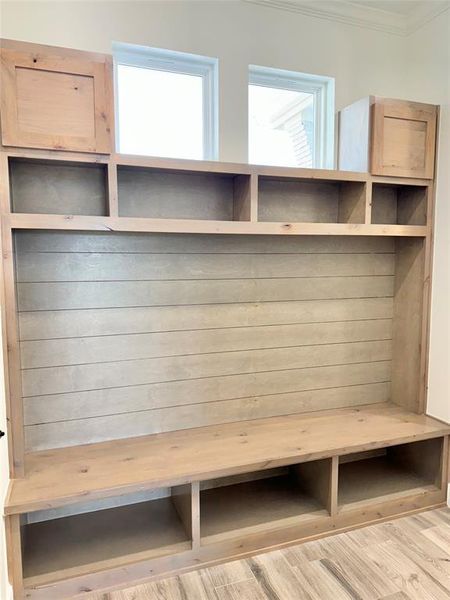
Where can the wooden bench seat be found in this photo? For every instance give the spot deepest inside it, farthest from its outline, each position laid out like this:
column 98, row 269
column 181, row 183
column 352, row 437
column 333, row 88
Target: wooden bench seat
column 68, row 475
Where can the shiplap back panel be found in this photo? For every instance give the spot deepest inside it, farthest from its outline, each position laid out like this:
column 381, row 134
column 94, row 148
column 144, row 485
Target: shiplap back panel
column 130, row 334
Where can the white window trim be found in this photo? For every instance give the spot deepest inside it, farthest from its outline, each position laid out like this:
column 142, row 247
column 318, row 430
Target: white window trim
column 323, row 90
column 178, row 62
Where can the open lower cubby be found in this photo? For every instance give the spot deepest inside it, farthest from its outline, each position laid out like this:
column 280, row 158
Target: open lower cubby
column 58, row 187
column 295, row 200
column 146, row 529
column 255, row 502
column 389, row 473
column 399, row 204
column 171, row 194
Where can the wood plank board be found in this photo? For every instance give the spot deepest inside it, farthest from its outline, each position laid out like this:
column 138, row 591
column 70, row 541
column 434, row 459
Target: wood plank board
column 140, row 224
column 64, row 476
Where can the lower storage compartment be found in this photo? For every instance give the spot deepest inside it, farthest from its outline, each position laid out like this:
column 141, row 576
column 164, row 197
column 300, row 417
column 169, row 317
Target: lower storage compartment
column 265, row 500
column 390, row 473
column 105, row 538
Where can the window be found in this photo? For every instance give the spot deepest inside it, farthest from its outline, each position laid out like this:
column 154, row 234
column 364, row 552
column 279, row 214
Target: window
column 167, row 103
column 291, row 118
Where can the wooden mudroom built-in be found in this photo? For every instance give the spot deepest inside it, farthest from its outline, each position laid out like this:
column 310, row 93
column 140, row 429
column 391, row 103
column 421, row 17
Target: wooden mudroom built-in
column 205, row 360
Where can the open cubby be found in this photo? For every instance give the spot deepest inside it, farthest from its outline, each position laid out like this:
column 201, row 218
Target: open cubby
column 172, row 194
column 264, row 500
column 399, row 204
column 58, row 187
column 149, row 529
column 389, row 473
column 297, row 200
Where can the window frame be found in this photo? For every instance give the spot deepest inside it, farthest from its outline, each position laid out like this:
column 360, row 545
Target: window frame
column 322, row 89
column 160, row 59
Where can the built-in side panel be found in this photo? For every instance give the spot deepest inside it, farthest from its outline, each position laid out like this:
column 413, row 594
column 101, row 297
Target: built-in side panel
column 129, row 334
column 408, row 372
column 57, row 187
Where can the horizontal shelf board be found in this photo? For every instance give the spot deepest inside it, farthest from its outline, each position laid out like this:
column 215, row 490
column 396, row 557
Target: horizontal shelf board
column 236, row 168
column 127, row 224
column 373, row 480
column 67, row 475
column 254, row 506
column 186, row 165
column 89, row 541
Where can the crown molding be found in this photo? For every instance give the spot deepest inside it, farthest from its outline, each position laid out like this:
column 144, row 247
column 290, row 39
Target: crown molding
column 352, row 13
column 424, row 13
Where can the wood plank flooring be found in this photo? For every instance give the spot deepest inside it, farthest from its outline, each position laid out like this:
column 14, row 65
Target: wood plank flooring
column 405, row 559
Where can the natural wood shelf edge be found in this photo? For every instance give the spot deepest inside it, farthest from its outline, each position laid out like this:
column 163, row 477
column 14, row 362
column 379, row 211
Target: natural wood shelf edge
column 79, row 473
column 145, row 225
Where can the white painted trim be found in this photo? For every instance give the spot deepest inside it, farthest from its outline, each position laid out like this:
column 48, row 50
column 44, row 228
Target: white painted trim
column 323, row 90
column 352, row 13
column 178, row 62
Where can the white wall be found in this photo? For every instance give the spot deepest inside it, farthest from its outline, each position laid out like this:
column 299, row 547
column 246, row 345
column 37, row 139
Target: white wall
column 363, row 62
column 236, row 32
column 428, row 63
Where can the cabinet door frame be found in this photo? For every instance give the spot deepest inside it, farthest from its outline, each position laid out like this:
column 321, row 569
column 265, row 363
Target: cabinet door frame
column 99, row 68
column 406, row 111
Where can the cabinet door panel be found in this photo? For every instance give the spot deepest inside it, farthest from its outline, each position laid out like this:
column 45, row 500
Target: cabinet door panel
column 403, row 138
column 56, row 100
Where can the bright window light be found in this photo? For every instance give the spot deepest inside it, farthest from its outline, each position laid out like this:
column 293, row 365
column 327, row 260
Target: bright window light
column 166, row 103
column 289, row 119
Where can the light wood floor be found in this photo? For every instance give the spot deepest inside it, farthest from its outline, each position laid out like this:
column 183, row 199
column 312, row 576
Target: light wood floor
column 404, row 559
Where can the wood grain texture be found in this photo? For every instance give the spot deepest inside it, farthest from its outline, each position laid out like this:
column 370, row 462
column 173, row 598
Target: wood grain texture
column 150, row 327
column 403, row 138
column 63, row 476
column 344, row 567
column 56, row 99
column 203, row 226
column 407, row 368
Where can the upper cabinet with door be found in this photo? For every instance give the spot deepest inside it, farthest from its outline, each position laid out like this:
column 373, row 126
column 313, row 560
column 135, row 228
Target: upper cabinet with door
column 56, row 99
column 388, row 137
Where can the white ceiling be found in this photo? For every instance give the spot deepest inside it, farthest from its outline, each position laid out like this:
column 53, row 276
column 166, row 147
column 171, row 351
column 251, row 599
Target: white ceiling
column 399, row 17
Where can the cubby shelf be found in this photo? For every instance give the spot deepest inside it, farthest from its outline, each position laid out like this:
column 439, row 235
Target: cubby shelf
column 92, row 540
column 135, row 194
column 300, row 476
column 267, row 501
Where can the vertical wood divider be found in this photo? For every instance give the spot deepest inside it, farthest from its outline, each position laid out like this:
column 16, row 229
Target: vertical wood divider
column 445, row 462
column 245, row 198
column 186, row 500
column 5, row 200
column 113, row 194
column 195, row 508
column 11, row 354
column 369, row 191
column 334, row 484
column 254, row 184
column 14, row 558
